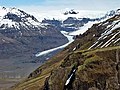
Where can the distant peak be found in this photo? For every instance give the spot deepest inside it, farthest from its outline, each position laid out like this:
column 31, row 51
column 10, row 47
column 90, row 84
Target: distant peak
column 3, row 8
column 72, row 11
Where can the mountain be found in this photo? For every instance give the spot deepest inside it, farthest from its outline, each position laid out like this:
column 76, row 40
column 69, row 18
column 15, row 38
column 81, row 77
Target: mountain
column 91, row 62
column 21, row 37
column 18, row 25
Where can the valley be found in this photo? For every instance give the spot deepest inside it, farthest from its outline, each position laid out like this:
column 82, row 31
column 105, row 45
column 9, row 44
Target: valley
column 90, row 62
column 37, row 53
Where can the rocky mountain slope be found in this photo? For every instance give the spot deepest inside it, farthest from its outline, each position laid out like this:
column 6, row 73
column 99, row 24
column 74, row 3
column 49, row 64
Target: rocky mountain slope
column 25, row 29
column 21, row 37
column 91, row 62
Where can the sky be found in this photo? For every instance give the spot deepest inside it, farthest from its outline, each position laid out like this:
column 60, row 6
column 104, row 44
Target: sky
column 60, row 4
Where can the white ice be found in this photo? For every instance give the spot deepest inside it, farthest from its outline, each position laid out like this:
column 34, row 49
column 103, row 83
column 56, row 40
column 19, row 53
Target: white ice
column 70, row 39
column 83, row 28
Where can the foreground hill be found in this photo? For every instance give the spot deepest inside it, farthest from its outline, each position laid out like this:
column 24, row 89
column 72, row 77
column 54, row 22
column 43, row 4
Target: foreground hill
column 91, row 62
column 80, row 70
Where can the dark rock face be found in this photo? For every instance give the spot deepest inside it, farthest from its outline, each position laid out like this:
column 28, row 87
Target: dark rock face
column 13, row 17
column 35, row 39
column 71, row 20
column 46, row 85
column 53, row 22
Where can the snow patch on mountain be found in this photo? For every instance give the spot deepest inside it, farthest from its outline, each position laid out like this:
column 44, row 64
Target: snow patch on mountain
column 83, row 29
column 108, row 32
column 16, row 18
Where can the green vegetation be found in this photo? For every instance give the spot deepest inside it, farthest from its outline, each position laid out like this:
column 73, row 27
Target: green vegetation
column 91, row 65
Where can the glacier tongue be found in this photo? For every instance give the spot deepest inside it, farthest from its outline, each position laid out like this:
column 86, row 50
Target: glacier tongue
column 83, row 28
column 69, row 37
column 70, row 40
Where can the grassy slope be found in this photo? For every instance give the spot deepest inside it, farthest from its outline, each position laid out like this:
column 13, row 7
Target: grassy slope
column 37, row 82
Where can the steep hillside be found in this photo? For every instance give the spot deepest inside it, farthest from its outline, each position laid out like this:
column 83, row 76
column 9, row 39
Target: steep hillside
column 80, row 70
column 91, row 62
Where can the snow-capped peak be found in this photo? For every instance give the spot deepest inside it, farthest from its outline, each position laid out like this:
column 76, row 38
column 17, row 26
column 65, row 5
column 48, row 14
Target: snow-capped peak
column 14, row 18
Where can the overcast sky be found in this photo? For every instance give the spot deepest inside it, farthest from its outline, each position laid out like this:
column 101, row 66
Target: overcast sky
column 60, row 4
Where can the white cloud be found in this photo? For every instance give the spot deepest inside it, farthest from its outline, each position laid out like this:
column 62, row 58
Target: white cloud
column 56, row 7
column 41, row 12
